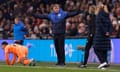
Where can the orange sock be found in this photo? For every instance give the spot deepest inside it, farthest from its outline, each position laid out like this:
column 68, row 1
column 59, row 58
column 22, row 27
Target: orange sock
column 26, row 62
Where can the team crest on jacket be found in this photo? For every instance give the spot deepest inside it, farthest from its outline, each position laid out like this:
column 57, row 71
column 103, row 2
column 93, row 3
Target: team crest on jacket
column 59, row 15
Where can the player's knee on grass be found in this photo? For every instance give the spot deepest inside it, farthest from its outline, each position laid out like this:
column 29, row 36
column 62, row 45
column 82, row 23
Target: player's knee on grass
column 26, row 62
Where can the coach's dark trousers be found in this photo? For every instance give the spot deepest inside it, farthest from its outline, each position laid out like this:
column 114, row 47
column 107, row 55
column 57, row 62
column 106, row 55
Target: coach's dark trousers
column 87, row 49
column 59, row 47
column 102, row 55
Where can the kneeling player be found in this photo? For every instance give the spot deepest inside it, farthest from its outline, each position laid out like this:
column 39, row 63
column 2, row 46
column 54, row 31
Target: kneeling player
column 18, row 51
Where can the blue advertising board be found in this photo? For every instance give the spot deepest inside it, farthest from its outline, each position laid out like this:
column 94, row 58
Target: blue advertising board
column 115, row 54
column 44, row 50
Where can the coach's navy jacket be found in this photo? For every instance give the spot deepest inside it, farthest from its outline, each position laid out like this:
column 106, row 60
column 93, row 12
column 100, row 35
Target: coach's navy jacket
column 58, row 20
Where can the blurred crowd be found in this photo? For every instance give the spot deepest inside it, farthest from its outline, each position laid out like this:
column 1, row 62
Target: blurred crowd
column 40, row 28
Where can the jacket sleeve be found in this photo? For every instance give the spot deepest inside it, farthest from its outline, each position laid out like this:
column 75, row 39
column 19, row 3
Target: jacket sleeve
column 24, row 29
column 73, row 13
column 109, row 25
column 106, row 23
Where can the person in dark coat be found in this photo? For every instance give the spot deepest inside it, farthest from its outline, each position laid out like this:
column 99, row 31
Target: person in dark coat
column 102, row 43
column 58, row 18
column 91, row 31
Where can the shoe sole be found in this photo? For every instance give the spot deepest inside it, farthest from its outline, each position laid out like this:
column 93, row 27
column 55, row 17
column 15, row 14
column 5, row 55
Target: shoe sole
column 102, row 65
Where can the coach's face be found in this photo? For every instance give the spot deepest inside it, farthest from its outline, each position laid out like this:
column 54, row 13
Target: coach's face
column 56, row 8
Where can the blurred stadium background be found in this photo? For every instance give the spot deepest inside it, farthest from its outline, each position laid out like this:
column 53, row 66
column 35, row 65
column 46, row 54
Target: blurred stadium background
column 39, row 28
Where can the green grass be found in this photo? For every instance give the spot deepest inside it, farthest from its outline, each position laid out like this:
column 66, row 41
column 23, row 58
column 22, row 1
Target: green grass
column 50, row 67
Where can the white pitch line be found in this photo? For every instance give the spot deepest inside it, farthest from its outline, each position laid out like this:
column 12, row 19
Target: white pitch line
column 57, row 67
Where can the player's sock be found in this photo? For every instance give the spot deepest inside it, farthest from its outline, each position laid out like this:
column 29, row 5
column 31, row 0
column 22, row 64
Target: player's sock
column 32, row 62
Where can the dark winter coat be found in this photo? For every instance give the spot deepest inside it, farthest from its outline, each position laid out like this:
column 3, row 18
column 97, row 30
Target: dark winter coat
column 103, row 25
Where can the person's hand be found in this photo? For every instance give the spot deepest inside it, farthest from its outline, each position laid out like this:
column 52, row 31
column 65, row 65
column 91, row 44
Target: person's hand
column 107, row 34
column 11, row 63
column 8, row 63
column 106, row 9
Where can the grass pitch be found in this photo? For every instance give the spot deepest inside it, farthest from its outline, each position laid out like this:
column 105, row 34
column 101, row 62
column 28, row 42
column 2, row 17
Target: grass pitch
column 50, row 67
